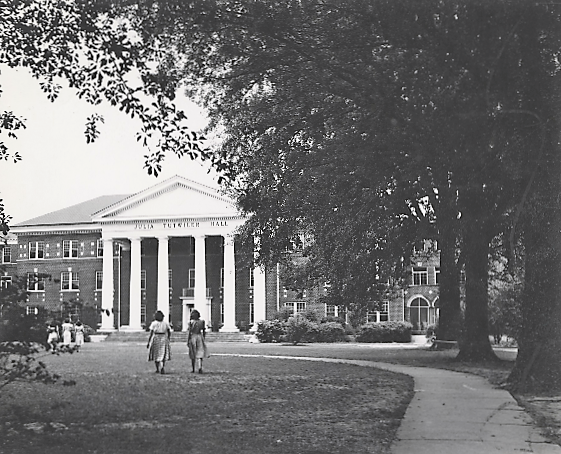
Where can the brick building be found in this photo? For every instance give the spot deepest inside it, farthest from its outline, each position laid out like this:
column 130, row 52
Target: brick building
column 117, row 259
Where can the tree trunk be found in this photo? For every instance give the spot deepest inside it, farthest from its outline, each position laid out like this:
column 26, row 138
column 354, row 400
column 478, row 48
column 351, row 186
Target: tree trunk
column 538, row 365
column 475, row 344
column 450, row 318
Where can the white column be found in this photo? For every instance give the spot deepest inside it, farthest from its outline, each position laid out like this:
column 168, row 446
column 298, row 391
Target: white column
column 107, row 319
column 163, row 276
column 259, row 302
column 229, row 287
column 200, row 276
column 135, row 291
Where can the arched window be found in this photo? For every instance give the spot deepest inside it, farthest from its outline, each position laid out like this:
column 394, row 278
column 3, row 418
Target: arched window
column 419, row 314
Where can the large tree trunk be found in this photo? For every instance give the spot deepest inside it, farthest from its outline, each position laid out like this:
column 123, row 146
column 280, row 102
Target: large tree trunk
column 475, row 344
column 538, row 365
column 450, row 319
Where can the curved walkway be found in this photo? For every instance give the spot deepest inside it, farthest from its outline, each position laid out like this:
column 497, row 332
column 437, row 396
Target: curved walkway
column 455, row 413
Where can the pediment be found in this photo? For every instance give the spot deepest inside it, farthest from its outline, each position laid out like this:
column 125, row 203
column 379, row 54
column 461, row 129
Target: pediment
column 175, row 198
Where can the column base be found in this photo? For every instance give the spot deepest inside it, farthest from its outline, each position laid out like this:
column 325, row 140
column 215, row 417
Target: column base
column 105, row 330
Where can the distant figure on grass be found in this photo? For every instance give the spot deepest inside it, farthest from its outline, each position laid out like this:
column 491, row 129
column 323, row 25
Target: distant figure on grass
column 196, row 341
column 79, row 335
column 159, row 342
column 67, row 328
column 52, row 336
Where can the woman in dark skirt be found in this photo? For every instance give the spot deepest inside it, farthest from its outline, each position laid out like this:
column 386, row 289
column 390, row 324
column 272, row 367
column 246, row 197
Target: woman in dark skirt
column 159, row 342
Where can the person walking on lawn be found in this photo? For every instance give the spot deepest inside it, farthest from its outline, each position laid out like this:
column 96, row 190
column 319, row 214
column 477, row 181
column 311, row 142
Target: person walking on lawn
column 159, row 342
column 196, row 341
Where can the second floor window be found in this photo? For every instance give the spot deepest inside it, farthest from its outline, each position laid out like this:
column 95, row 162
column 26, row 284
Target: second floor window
column 70, row 248
column 252, row 277
column 6, row 255
column 170, row 279
column 37, row 250
column 35, row 282
column 420, row 275
column 99, row 248
column 69, row 280
column 436, row 275
column 143, row 280
column 192, row 278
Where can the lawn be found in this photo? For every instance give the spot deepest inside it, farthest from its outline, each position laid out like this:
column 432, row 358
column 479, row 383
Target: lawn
column 119, row 405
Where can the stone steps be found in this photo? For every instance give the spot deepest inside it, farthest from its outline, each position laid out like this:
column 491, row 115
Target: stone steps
column 179, row 336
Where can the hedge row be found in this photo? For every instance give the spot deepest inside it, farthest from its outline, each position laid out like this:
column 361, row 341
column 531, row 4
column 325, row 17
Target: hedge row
column 300, row 329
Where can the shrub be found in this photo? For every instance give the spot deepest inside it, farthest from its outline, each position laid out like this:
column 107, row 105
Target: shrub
column 385, row 332
column 270, row 330
column 330, row 332
column 297, row 328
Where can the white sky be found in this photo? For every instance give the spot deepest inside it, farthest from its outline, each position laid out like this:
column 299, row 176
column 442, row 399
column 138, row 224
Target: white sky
column 58, row 168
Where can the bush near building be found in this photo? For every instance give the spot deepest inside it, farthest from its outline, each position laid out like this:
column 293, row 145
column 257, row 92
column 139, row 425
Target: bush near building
column 384, row 332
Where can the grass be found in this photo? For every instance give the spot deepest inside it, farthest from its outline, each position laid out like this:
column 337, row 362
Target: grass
column 119, row 405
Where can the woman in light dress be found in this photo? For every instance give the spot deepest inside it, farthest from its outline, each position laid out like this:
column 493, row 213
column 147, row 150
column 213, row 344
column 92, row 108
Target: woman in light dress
column 67, row 328
column 79, row 335
column 196, row 341
column 52, row 336
column 159, row 342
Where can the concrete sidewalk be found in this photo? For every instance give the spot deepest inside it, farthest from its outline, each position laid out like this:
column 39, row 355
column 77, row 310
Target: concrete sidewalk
column 456, row 413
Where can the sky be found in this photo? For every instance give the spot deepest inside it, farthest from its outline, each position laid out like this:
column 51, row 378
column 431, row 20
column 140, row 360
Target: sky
column 58, row 169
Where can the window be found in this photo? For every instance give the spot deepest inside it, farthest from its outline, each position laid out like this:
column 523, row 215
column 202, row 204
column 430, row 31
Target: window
column 70, row 249
column 419, row 314
column 462, row 277
column 251, row 312
column 35, row 282
column 100, row 248
column 31, row 310
column 296, row 308
column 142, row 279
column 192, row 278
column 99, row 280
column 251, row 277
column 284, row 292
column 5, row 281
column 221, row 277
column 69, row 281
column 222, row 313
column 436, row 274
column 37, row 250
column 379, row 316
column 170, row 279
column 420, row 275
column 330, row 310
column 143, row 312
column 6, row 255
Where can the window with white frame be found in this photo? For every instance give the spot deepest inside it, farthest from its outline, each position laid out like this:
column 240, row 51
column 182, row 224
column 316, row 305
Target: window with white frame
column 221, row 277
column 296, row 308
column 420, row 275
column 436, row 275
column 170, row 279
column 251, row 277
column 6, row 254
column 99, row 280
column 31, row 310
column 142, row 279
column 35, row 282
column 69, row 249
column 99, row 248
column 331, row 310
column 143, row 312
column 191, row 278
column 285, row 292
column 251, row 312
column 69, row 281
column 222, row 313
column 5, row 282
column 379, row 316
column 37, row 250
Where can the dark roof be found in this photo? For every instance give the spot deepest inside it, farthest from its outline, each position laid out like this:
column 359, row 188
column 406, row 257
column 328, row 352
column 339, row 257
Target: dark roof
column 75, row 214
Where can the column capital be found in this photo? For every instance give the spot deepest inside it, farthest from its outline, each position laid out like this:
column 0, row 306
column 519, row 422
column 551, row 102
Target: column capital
column 163, row 238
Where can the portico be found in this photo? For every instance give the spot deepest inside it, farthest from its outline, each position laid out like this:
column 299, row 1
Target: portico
column 176, row 221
